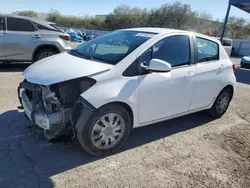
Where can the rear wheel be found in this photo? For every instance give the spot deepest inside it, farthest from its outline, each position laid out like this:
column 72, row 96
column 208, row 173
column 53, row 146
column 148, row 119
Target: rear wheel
column 106, row 130
column 43, row 53
column 221, row 103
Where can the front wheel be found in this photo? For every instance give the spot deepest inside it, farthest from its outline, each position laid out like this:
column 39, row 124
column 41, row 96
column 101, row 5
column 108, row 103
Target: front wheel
column 221, row 104
column 107, row 129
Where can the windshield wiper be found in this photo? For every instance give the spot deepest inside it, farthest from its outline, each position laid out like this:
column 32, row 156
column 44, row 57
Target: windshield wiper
column 76, row 51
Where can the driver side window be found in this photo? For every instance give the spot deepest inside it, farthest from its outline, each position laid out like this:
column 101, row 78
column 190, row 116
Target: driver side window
column 174, row 49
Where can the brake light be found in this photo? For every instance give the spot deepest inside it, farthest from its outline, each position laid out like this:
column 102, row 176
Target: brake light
column 65, row 37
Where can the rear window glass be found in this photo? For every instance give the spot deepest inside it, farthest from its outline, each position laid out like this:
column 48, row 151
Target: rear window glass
column 42, row 27
column 56, row 28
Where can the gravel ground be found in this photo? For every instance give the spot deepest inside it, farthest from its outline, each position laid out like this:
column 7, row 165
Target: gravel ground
column 192, row 151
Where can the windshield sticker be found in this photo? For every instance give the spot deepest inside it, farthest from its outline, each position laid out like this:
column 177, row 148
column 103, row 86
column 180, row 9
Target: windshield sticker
column 148, row 35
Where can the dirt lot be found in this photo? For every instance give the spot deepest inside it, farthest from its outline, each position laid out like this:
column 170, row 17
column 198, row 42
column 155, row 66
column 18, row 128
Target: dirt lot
column 192, row 151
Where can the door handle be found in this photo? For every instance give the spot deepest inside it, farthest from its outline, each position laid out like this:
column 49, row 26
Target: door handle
column 37, row 36
column 189, row 74
column 221, row 67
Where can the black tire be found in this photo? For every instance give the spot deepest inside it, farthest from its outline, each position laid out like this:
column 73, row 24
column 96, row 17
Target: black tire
column 216, row 111
column 84, row 132
column 42, row 51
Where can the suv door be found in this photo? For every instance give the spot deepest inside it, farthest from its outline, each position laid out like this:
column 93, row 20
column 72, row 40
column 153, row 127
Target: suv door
column 20, row 39
column 209, row 73
column 2, row 29
column 166, row 94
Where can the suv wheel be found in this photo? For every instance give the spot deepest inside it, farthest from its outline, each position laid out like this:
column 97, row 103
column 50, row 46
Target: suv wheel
column 43, row 53
column 221, row 103
column 106, row 130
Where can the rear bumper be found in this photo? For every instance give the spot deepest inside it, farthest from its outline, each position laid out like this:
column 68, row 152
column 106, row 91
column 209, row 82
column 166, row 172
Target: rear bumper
column 44, row 121
column 64, row 46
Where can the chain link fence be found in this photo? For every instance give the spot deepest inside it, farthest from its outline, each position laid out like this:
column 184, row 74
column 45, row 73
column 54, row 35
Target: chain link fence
column 241, row 47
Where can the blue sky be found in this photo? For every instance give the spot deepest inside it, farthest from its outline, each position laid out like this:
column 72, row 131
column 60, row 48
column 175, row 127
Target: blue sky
column 92, row 7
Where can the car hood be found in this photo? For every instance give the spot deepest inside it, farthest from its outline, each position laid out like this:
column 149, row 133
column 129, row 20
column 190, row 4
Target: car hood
column 62, row 67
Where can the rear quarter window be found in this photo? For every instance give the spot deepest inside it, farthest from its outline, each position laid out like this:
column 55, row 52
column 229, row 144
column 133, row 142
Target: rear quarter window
column 42, row 27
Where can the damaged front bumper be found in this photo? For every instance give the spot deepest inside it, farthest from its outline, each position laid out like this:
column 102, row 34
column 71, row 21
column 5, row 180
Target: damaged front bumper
column 43, row 108
column 47, row 110
column 44, row 121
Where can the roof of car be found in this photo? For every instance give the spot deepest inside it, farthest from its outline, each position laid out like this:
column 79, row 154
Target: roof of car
column 166, row 30
column 39, row 21
column 156, row 30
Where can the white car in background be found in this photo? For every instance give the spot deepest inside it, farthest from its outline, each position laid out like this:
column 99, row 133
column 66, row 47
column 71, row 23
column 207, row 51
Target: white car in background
column 130, row 78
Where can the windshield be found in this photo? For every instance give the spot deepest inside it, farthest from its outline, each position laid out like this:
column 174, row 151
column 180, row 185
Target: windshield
column 113, row 47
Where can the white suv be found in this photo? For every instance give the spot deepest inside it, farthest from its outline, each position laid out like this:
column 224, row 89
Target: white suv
column 126, row 79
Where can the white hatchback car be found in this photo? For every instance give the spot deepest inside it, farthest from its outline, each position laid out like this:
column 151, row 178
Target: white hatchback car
column 129, row 78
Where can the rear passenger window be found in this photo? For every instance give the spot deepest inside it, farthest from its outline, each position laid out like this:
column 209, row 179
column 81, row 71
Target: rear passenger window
column 207, row 50
column 17, row 24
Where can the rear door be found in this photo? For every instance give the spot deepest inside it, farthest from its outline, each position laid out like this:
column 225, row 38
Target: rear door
column 20, row 39
column 2, row 30
column 209, row 75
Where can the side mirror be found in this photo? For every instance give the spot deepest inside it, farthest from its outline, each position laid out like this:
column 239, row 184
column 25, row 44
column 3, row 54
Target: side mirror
column 157, row 65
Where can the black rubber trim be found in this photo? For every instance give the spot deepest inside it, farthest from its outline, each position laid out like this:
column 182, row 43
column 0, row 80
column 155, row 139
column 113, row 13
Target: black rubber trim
column 19, row 94
column 86, row 103
column 85, row 112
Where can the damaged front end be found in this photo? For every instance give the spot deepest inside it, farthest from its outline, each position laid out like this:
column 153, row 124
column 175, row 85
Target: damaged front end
column 50, row 107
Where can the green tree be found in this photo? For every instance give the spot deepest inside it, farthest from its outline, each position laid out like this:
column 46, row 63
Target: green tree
column 201, row 21
column 217, row 28
column 237, row 28
column 53, row 16
column 176, row 15
column 28, row 13
column 125, row 16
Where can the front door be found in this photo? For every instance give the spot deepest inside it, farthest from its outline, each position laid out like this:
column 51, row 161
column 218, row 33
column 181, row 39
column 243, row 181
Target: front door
column 2, row 29
column 20, row 39
column 166, row 94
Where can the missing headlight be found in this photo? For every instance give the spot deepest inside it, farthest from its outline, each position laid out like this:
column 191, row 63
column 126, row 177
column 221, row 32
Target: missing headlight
column 69, row 91
column 86, row 83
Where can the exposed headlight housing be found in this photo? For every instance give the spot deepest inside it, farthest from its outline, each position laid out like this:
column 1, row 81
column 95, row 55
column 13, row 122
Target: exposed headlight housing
column 69, row 91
